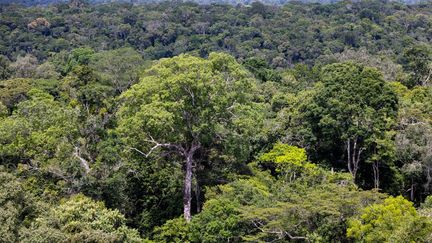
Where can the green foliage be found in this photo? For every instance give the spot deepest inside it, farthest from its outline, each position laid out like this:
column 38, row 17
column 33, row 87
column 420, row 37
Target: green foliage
column 80, row 219
column 262, row 70
column 3, row 110
column 290, row 161
column 120, row 68
column 174, row 230
column 264, row 208
column 43, row 135
column 17, row 207
column 79, row 56
column 301, row 92
column 280, row 35
column 219, row 221
column 190, row 85
column 394, row 220
column 5, row 71
column 82, row 88
column 418, row 62
column 180, row 108
column 352, row 115
column 13, row 91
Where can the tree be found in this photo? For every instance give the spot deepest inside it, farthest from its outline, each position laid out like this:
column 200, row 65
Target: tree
column 24, row 66
column 353, row 109
column 414, row 140
column 17, row 207
column 261, row 70
column 290, row 161
column 118, row 67
column 418, row 62
column 394, row 220
column 190, row 108
column 43, row 136
column 46, row 71
column 5, row 70
column 13, row 91
column 391, row 71
column 80, row 219
column 313, row 206
column 83, row 88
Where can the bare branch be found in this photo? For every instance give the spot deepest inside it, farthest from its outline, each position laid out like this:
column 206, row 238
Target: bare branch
column 176, row 147
column 84, row 162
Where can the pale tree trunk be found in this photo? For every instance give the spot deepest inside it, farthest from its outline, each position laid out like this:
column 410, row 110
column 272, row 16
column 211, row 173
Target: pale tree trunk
column 428, row 178
column 188, row 154
column 353, row 155
column 412, row 189
column 197, row 195
column 375, row 166
column 187, row 193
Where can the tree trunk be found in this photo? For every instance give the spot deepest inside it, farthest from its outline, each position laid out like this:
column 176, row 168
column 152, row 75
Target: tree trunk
column 187, row 193
column 197, row 195
column 353, row 156
column 412, row 190
column 348, row 148
column 375, row 166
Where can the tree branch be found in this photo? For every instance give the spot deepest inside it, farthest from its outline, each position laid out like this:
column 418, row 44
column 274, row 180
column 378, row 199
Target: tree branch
column 84, row 162
column 158, row 145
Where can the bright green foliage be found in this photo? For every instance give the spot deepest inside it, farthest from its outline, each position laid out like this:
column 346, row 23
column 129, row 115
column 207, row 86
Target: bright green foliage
column 264, row 208
column 239, row 120
column 304, row 213
column 192, row 109
column 80, row 219
column 16, row 207
column 187, row 98
column 43, row 135
column 290, row 161
column 285, row 154
column 3, row 110
column 174, row 230
column 220, row 221
column 79, row 56
column 394, row 220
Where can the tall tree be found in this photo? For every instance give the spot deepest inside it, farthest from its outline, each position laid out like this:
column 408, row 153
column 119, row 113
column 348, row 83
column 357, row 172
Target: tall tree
column 418, row 62
column 120, row 68
column 352, row 109
column 190, row 108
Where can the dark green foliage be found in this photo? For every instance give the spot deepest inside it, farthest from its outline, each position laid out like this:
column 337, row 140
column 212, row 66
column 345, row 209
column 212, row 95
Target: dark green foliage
column 262, row 70
column 117, row 118
column 352, row 115
column 418, row 62
column 281, row 36
column 311, row 206
column 5, row 70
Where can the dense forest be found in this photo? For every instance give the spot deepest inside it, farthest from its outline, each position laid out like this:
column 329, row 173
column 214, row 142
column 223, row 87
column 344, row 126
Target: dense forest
column 243, row 2
column 187, row 122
